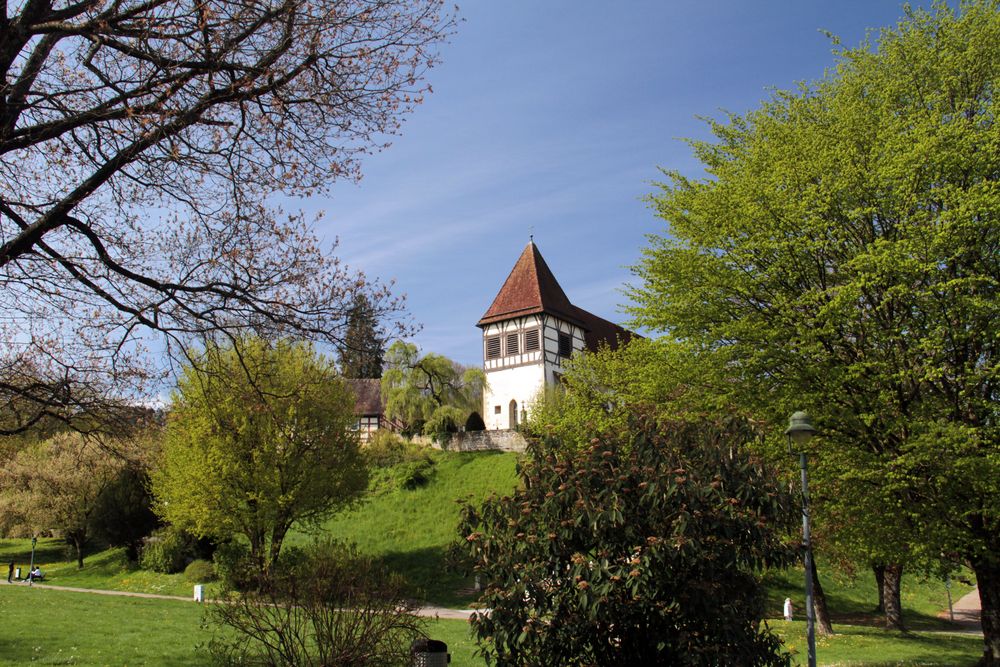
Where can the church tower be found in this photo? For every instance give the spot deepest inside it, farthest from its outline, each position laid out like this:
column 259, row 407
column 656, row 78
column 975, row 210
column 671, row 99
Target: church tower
column 528, row 331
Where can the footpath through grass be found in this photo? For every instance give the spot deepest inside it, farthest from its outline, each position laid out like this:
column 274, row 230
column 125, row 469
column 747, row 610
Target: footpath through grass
column 853, row 596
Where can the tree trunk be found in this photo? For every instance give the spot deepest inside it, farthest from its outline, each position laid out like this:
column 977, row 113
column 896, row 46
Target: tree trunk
column 277, row 537
column 988, row 580
column 823, row 624
column 77, row 539
column 891, row 599
column 879, row 571
column 258, row 560
column 78, row 544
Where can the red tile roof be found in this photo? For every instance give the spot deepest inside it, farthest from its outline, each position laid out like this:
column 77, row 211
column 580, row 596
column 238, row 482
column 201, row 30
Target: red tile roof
column 531, row 288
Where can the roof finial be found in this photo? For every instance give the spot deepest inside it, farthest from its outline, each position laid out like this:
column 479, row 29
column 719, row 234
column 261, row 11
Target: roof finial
column 531, row 234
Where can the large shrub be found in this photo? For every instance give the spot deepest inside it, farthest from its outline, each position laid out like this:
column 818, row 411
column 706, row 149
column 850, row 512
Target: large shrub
column 169, row 550
column 643, row 548
column 385, row 449
column 331, row 607
column 200, row 571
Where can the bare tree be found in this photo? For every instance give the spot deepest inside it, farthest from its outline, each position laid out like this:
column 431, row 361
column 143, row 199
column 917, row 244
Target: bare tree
column 141, row 142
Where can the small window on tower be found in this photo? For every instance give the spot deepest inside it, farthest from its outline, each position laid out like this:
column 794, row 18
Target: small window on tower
column 565, row 345
column 493, row 347
column 512, row 343
column 496, row 409
column 531, row 340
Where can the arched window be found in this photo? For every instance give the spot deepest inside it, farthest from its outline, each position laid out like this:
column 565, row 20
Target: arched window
column 513, row 414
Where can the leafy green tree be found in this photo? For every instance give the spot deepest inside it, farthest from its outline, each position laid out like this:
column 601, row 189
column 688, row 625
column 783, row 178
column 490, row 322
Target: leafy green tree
column 363, row 349
column 841, row 255
column 601, row 391
column 429, row 388
column 639, row 548
column 259, row 441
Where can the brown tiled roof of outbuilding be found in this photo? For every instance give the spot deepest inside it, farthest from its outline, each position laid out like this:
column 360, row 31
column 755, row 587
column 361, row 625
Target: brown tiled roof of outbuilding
column 367, row 396
column 529, row 289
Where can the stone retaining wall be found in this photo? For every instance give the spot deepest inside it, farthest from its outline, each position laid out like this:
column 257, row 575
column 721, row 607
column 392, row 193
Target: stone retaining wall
column 480, row 441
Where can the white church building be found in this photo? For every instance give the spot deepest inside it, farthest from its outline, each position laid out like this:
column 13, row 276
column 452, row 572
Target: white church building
column 528, row 331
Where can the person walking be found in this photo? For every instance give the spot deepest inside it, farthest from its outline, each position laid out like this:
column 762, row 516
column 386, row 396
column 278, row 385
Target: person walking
column 10, row 572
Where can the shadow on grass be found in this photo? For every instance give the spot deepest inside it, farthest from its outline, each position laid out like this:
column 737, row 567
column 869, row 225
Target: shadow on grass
column 872, row 647
column 848, row 605
column 47, row 550
column 428, row 576
column 913, row 621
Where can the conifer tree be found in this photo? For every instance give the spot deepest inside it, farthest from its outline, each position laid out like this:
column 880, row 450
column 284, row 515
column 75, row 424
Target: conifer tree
column 364, row 342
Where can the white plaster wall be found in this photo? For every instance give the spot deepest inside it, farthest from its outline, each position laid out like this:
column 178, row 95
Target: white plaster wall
column 553, row 327
column 521, row 384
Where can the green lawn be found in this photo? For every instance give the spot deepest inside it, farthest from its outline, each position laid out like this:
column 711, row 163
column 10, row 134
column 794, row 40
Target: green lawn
column 58, row 628
column 873, row 647
column 105, row 570
column 410, row 530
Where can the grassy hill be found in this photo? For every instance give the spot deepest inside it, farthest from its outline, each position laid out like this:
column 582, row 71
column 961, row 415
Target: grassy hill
column 411, row 516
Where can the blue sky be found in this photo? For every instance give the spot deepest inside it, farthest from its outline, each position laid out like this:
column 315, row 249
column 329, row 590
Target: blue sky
column 552, row 118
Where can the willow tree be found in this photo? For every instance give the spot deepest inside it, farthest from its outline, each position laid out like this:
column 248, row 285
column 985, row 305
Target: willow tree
column 429, row 388
column 140, row 144
column 842, row 254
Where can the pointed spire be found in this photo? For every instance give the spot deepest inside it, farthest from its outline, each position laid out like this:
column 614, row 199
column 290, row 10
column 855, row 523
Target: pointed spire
column 530, row 288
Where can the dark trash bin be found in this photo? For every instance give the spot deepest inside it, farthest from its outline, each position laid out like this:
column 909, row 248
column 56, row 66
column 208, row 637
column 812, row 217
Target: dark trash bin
column 429, row 653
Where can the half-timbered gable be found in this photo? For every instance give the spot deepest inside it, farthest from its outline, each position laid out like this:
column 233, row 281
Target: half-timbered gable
column 529, row 330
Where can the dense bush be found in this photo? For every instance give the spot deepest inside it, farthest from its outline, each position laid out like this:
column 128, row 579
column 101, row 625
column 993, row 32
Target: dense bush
column 124, row 515
column 169, row 550
column 233, row 566
column 333, row 607
column 412, row 474
column 385, row 449
column 199, row 571
column 639, row 549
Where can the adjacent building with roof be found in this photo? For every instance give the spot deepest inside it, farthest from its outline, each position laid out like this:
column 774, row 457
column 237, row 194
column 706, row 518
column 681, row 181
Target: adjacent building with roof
column 530, row 329
column 369, row 409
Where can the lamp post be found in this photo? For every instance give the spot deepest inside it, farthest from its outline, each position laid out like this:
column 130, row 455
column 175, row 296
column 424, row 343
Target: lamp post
column 31, row 567
column 799, row 431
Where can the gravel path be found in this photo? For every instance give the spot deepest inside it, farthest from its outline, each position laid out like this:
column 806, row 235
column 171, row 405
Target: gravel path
column 966, row 611
column 429, row 612
column 966, row 608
